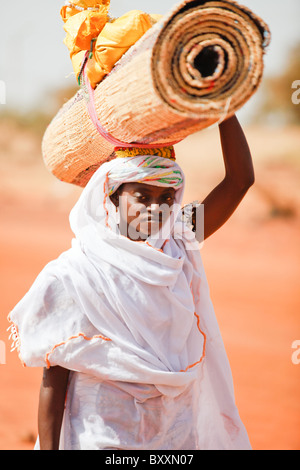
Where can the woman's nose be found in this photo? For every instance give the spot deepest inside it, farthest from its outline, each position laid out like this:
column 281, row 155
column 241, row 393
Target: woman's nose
column 153, row 206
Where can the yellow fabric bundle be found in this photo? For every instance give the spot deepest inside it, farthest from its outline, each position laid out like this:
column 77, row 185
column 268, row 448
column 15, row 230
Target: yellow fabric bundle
column 87, row 20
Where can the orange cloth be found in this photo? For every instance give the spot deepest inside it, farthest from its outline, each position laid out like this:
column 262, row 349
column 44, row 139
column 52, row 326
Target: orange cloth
column 113, row 37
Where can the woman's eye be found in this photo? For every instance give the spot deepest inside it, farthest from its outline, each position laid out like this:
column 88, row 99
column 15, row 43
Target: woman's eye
column 140, row 197
column 168, row 198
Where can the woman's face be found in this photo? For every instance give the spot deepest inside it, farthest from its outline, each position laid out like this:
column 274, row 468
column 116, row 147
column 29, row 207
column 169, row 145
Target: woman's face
column 143, row 209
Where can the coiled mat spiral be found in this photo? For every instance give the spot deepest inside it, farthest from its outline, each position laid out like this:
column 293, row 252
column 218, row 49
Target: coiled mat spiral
column 200, row 64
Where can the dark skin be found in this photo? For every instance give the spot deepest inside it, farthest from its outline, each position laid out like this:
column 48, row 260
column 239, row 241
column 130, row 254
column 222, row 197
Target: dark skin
column 51, row 406
column 143, row 209
column 219, row 206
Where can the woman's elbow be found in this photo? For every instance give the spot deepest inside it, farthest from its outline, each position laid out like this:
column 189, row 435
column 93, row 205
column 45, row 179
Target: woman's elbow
column 249, row 182
column 242, row 186
column 246, row 182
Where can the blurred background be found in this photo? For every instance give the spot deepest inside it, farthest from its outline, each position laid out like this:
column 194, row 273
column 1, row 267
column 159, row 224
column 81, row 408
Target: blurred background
column 253, row 263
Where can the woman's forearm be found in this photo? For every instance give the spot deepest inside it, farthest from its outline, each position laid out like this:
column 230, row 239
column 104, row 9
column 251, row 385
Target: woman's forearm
column 51, row 407
column 221, row 203
column 236, row 154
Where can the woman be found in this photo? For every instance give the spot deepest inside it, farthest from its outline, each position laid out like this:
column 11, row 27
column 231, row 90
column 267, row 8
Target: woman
column 123, row 322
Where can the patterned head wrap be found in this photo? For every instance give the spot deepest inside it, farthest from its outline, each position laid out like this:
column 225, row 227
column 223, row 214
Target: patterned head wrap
column 150, row 166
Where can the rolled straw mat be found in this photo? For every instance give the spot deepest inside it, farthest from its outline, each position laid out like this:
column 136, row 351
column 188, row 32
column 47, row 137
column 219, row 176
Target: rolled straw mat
column 198, row 65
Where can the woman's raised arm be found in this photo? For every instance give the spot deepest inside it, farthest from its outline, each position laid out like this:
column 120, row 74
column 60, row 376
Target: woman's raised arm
column 221, row 203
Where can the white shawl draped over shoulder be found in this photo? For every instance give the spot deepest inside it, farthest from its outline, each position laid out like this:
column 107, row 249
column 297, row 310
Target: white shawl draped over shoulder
column 131, row 313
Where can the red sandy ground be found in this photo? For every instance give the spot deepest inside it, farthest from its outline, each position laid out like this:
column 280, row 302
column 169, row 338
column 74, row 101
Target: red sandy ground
column 252, row 263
